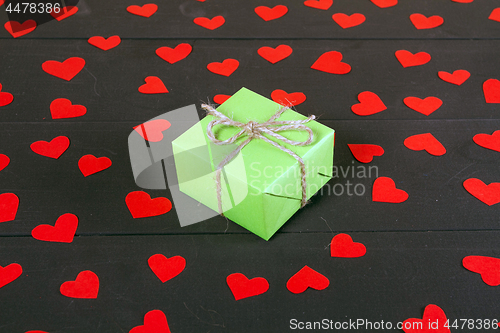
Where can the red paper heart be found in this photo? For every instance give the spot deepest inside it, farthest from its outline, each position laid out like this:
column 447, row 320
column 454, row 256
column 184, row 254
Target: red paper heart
column 4, row 161
column 458, row 77
column 319, row 4
column 330, row 62
column 242, row 287
column 89, row 164
column 64, row 12
column 384, row 190
column 426, row 142
column 487, row 141
column 491, row 90
column 432, row 314
column 488, row 267
column 5, row 97
column 489, row 194
column 210, row 24
column 63, row 231
column 140, row 205
column 145, row 10
column 385, row 3
column 274, row 55
column 364, row 153
column 342, row 246
column 348, row 21
column 62, row 108
column 105, row 43
column 172, row 55
column 287, row 99
column 307, row 278
column 86, row 285
column 268, row 14
column 9, row 203
column 425, row 106
column 65, row 70
column 422, row 22
column 37, row 332
column 9, row 273
column 495, row 15
column 463, row 1
column 226, row 68
column 53, row 149
column 219, row 99
column 166, row 268
column 152, row 130
column 153, row 85
column 17, row 29
column 408, row 59
column 155, row 321
column 369, row 103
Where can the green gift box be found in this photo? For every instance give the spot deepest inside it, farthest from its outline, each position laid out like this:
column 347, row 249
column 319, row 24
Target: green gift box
column 260, row 188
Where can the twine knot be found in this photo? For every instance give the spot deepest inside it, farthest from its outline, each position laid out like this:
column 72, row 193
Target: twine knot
column 255, row 130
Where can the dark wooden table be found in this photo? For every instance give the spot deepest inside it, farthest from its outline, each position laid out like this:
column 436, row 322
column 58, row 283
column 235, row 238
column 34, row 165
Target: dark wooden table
column 414, row 249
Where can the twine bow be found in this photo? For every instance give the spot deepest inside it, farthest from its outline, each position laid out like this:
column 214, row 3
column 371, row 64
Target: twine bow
column 255, row 130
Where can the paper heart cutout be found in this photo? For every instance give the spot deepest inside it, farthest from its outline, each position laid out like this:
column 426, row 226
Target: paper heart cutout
column 155, row 321
column 64, row 12
column 347, row 21
column 242, row 287
column 425, row 106
column 166, row 268
column 369, row 103
column 268, row 14
column 152, row 130
column 17, row 29
column 86, row 285
column 105, row 43
column 342, row 246
column 489, row 194
column 145, row 10
column 319, row 4
column 219, row 99
column 495, row 15
column 307, row 278
column 491, row 90
column 426, row 142
column 463, row 1
column 458, row 77
column 9, row 273
column 484, row 140
column 5, row 97
column 385, row 3
column 488, row 267
column 384, row 190
column 9, row 203
column 140, row 205
column 364, row 152
column 172, row 55
column 153, row 85
column 210, row 24
column 432, row 314
column 65, row 70
column 225, row 68
column 61, row 108
column 423, row 22
column 287, row 99
column 36, row 332
column 408, row 59
column 89, row 164
column 330, row 62
column 53, row 149
column 4, row 161
column 62, row 232
column 274, row 55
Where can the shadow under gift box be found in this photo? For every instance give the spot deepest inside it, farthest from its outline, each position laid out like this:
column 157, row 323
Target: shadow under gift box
column 261, row 187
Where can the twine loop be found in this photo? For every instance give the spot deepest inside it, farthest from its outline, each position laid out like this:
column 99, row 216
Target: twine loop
column 255, row 130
